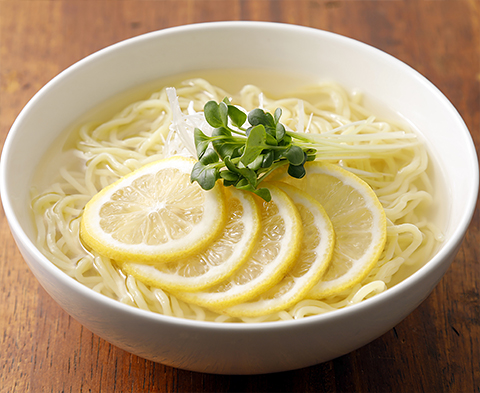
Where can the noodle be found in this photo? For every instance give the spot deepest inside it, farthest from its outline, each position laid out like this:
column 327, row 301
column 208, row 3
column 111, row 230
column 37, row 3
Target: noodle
column 141, row 134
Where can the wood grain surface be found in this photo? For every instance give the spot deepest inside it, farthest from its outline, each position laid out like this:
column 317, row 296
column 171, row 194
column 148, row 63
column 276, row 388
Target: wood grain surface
column 435, row 349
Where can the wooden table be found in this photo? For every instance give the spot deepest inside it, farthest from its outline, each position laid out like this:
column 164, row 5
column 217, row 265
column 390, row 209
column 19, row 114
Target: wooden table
column 435, row 349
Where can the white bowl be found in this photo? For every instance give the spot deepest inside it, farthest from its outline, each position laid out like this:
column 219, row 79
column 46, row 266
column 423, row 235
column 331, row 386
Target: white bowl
column 240, row 348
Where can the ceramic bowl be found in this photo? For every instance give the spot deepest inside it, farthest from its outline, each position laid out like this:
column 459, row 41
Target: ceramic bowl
column 258, row 347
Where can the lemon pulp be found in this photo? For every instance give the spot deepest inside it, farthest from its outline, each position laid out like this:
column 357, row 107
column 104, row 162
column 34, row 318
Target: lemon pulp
column 154, row 214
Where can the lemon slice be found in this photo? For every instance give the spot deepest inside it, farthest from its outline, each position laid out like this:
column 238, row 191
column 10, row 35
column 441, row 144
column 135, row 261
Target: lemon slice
column 219, row 260
column 316, row 252
column 358, row 219
column 153, row 214
column 272, row 257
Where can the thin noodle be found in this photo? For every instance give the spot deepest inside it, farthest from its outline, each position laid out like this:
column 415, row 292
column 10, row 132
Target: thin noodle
column 141, row 134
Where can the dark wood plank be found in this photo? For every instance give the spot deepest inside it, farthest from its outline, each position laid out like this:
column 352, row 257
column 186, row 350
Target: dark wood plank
column 436, row 348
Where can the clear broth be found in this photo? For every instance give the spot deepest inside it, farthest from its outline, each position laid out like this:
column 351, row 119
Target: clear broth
column 273, row 84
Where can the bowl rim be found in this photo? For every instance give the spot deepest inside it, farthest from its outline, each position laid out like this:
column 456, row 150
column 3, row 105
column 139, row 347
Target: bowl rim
column 76, row 286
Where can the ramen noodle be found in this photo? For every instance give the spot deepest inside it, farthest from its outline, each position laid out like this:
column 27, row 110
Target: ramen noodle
column 142, row 133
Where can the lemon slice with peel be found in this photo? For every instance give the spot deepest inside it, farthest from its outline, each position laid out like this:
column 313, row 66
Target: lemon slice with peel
column 153, row 214
column 316, row 252
column 218, row 261
column 273, row 255
column 358, row 219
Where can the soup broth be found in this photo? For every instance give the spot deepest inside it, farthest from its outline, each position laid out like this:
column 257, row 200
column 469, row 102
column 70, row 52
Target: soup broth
column 60, row 191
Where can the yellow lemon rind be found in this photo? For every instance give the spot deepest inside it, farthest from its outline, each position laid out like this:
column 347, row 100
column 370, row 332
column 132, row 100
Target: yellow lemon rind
column 325, row 288
column 159, row 276
column 97, row 240
column 266, row 303
column 217, row 300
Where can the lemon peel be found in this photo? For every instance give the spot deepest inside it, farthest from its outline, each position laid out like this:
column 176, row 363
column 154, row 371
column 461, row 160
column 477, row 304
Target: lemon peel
column 154, row 214
column 316, row 252
column 218, row 261
column 358, row 219
column 274, row 254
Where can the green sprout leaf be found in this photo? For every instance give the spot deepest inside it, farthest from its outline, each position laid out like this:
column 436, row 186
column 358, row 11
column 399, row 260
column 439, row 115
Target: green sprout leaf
column 249, row 175
column 270, row 139
column 297, row 171
column 237, row 117
column 216, row 114
column 257, row 163
column 263, row 193
column 201, row 142
column 277, row 115
column 295, row 155
column 209, row 157
column 223, row 143
column 279, row 132
column 229, row 176
column 268, row 159
column 223, row 109
column 205, row 176
column 254, row 145
column 259, row 117
column 245, row 174
column 204, row 172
